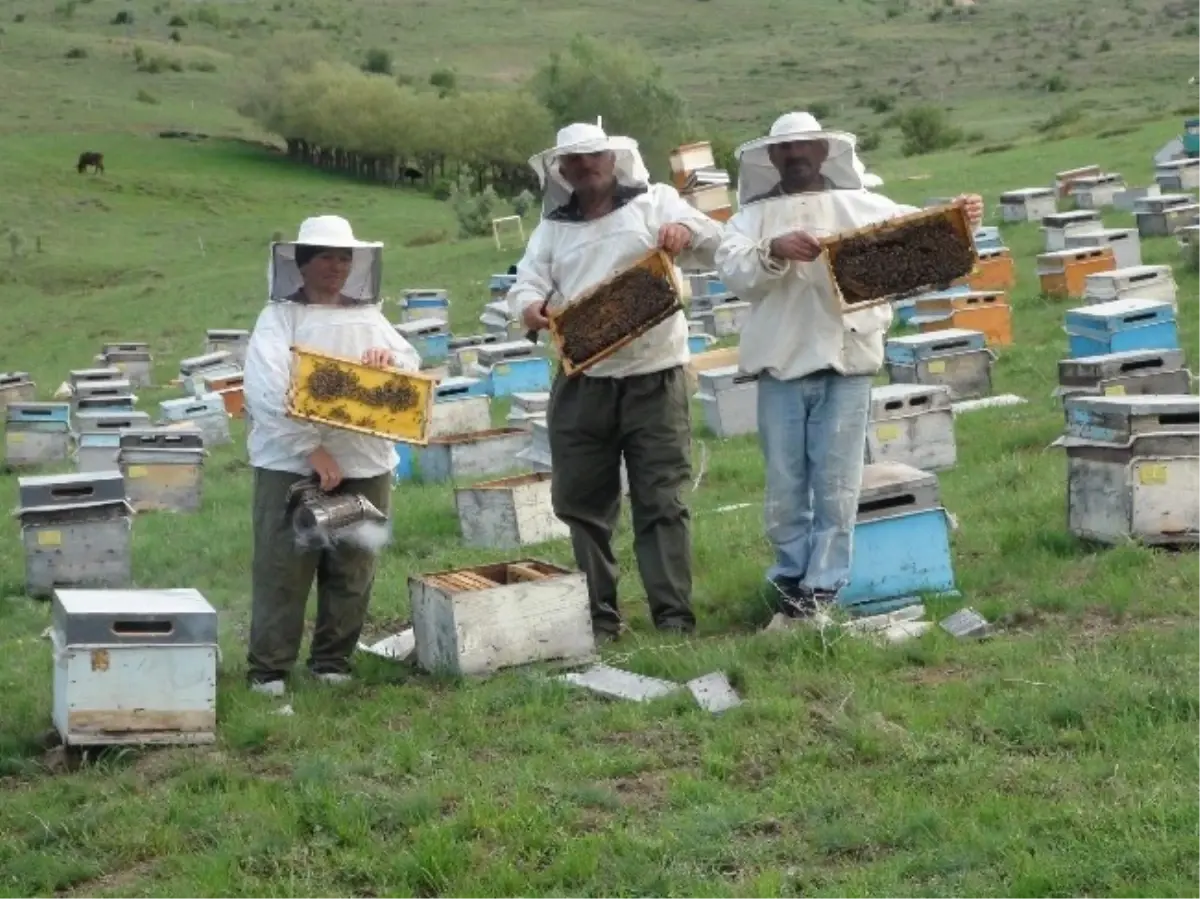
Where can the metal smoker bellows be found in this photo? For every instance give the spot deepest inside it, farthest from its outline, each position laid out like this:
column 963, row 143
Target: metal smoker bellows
column 320, row 518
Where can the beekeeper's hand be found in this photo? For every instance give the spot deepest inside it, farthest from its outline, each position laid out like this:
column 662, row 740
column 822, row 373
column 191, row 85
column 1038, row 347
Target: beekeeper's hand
column 326, row 468
column 974, row 207
column 797, row 245
column 378, row 357
column 534, row 317
column 674, row 238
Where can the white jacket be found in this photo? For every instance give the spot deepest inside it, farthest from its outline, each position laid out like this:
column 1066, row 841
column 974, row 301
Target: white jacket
column 563, row 259
column 796, row 326
column 280, row 443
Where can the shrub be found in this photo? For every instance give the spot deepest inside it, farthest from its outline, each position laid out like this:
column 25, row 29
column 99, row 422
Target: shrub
column 926, row 129
column 177, row 22
column 124, row 17
column 474, row 211
column 378, row 62
column 77, row 53
column 144, row 96
column 523, row 202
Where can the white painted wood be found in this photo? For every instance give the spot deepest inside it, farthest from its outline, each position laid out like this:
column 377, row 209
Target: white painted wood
column 714, row 693
column 66, row 553
column 1027, row 204
column 1143, row 282
column 27, row 449
column 475, row 632
column 726, row 319
column 397, row 648
column 463, row 416
column 617, row 684
column 509, row 512
column 1124, row 242
column 968, row 374
column 465, row 456
column 1127, row 199
column 912, row 424
column 729, row 399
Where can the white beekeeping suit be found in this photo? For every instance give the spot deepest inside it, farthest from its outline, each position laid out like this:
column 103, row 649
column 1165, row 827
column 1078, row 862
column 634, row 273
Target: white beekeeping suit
column 347, row 330
column 797, row 326
column 567, row 255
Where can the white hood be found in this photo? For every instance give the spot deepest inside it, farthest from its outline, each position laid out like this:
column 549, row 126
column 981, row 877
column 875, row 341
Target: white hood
column 581, row 137
column 363, row 284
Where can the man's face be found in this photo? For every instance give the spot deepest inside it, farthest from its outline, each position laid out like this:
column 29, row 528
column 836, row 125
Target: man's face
column 588, row 172
column 799, row 163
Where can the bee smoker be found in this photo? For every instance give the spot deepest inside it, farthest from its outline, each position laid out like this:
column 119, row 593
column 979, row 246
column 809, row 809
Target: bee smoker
column 322, row 519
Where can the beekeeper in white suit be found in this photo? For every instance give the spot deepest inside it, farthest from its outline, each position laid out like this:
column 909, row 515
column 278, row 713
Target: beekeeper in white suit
column 600, row 214
column 815, row 365
column 324, row 295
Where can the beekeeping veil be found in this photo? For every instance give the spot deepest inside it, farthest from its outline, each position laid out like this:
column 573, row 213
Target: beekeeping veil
column 583, row 138
column 284, row 277
column 759, row 179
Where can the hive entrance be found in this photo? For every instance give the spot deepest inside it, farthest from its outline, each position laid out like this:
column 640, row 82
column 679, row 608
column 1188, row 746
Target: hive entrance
column 901, row 260
column 633, row 300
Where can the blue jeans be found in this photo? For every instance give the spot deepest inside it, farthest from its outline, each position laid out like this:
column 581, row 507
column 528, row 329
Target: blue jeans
column 812, row 431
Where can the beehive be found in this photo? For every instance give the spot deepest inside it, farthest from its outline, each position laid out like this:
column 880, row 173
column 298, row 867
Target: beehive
column 459, row 457
column 1165, row 215
column 234, row 341
column 99, row 438
column 512, row 367
column 1097, row 191
column 1130, row 324
column 1027, row 204
column 1145, row 282
column 430, row 337
column 16, row 387
column 528, row 408
column 133, row 360
column 700, row 343
column 91, row 375
column 76, row 530
column 988, row 312
column 615, row 312
column 729, row 398
column 689, row 158
column 901, row 257
column 474, row 621
column 1063, row 273
column 460, row 406
column 426, row 302
column 912, row 424
column 118, row 391
column 1126, row 200
column 1058, row 226
column 230, row 388
column 995, row 270
column 956, row 358
column 1117, row 419
column 707, row 361
column 1065, row 181
column 193, row 369
column 206, row 413
column 1178, row 174
column 901, row 541
column 1189, row 245
column 134, row 667
column 163, row 469
column 509, row 512
column 1124, row 242
column 499, row 285
column 464, row 351
column 1129, row 373
column 712, row 200
column 345, row 394
column 726, row 319
column 36, row 434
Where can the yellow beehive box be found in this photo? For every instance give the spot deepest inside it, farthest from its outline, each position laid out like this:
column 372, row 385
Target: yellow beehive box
column 910, row 254
column 346, row 394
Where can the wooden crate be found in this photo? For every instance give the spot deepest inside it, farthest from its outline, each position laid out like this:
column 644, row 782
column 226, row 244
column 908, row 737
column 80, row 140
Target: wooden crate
column 986, row 311
column 474, row 621
column 594, row 302
column 1063, row 273
column 899, row 232
column 688, row 158
column 721, row 358
column 508, row 512
column 409, row 424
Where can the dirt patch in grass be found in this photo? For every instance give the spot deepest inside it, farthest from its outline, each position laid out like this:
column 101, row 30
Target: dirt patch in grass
column 643, row 791
column 121, row 882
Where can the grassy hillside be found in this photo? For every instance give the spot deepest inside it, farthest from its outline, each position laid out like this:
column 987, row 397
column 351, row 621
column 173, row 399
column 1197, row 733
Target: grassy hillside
column 1058, row 759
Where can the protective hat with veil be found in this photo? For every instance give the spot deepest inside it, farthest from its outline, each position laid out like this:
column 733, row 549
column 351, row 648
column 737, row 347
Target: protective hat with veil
column 799, row 151
column 583, row 139
column 318, row 235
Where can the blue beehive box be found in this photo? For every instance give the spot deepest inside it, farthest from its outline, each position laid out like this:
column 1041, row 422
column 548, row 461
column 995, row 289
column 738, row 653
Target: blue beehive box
column 188, row 408
column 500, row 285
column 716, row 286
column 699, row 343
column 427, row 302
column 901, row 541
column 513, row 367
column 460, row 388
column 1129, row 324
column 906, row 309
column 916, row 347
column 430, row 337
column 404, row 463
column 29, row 416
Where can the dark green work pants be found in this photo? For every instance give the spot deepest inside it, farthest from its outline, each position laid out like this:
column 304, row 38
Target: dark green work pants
column 282, row 575
column 592, row 423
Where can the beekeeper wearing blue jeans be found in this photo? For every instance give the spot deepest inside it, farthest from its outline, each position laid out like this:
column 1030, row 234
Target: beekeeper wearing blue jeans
column 814, row 364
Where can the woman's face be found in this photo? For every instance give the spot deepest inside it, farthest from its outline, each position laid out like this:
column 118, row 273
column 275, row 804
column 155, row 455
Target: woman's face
column 326, row 273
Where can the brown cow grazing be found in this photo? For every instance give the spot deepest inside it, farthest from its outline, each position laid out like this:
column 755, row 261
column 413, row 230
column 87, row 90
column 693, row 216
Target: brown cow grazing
column 89, row 158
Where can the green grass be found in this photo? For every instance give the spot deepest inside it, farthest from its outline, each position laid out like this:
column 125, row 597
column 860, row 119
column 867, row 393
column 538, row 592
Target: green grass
column 1057, row 759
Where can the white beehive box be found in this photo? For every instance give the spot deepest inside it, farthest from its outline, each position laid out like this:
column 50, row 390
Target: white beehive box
column 955, row 357
column 1143, row 488
column 1178, row 174
column 16, row 387
column 527, row 408
column 1165, row 214
column 1143, row 282
column 458, row 457
column 116, row 391
column 233, row 341
column 726, row 319
column 459, row 408
column 1097, row 191
column 206, row 413
column 464, row 351
column 99, row 438
column 496, row 320
column 163, row 469
column 912, row 424
column 76, row 530
column 79, row 376
column 536, row 456
column 479, row 620
column 1124, row 242
column 134, row 667
column 1057, row 226
column 508, row 512
column 36, row 434
column 193, row 370
column 1128, row 373
column 133, row 360
column 1028, row 204
column 1126, row 200
column 729, row 399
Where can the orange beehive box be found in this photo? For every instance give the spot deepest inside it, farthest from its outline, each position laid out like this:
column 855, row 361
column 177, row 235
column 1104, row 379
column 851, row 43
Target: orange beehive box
column 232, row 394
column 994, row 271
column 1063, row 273
column 986, row 311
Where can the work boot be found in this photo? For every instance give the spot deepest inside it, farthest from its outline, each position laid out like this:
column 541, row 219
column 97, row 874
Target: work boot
column 793, row 599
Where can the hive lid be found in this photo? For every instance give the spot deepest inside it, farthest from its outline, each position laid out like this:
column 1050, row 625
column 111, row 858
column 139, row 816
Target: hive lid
column 194, row 364
column 228, row 334
column 114, row 617
column 70, row 491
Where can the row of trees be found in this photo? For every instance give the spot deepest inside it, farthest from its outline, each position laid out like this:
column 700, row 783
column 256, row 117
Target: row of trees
column 341, row 118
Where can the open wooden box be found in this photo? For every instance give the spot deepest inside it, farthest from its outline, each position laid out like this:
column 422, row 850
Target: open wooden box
column 408, row 422
column 900, row 236
column 598, row 304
